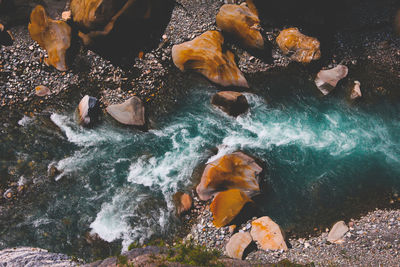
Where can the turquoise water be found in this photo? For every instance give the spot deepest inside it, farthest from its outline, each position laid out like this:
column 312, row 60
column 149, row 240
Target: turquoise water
column 325, row 160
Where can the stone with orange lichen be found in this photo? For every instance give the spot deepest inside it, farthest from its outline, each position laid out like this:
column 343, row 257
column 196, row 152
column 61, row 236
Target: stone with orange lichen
column 204, row 54
column 267, row 234
column 226, row 205
column 304, row 48
column 52, row 35
column 236, row 170
column 242, row 23
column 237, row 245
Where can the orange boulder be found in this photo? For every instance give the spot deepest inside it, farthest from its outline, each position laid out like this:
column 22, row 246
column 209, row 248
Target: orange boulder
column 242, row 23
column 305, row 48
column 52, row 35
column 204, row 54
column 226, row 205
column 237, row 244
column 236, row 170
column 267, row 234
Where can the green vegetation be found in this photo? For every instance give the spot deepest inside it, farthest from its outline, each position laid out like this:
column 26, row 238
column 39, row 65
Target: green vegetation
column 122, row 260
column 193, row 255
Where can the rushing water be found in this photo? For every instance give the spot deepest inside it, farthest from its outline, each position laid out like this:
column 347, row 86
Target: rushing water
column 325, row 160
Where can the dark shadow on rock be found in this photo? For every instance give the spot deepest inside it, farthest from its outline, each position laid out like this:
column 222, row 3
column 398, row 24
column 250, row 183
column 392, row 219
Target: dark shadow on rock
column 248, row 211
column 131, row 35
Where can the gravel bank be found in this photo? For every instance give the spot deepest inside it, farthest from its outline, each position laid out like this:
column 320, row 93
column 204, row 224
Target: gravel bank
column 373, row 240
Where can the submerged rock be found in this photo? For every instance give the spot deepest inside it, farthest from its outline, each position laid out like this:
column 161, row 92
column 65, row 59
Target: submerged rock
column 267, row 234
column 355, row 91
column 88, row 110
column 237, row 244
column 183, row 202
column 131, row 112
column 204, row 54
column 42, row 90
column 327, row 80
column 337, row 232
column 233, row 171
column 304, row 48
column 242, row 23
column 226, row 205
column 233, row 103
column 52, row 35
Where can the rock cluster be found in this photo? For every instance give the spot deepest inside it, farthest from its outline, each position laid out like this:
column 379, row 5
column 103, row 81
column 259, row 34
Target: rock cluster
column 52, row 35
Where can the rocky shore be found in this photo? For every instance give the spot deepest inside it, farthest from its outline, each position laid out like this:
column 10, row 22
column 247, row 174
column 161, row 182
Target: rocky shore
column 363, row 41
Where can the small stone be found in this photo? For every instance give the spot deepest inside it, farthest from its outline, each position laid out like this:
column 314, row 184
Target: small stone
column 42, row 90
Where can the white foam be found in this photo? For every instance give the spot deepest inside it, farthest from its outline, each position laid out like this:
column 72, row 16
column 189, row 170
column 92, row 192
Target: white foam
column 25, row 121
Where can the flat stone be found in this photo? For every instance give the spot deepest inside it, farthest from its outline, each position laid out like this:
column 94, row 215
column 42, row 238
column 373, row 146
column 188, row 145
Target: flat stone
column 327, row 80
column 131, row 112
column 267, row 234
column 337, row 232
column 42, row 90
column 237, row 245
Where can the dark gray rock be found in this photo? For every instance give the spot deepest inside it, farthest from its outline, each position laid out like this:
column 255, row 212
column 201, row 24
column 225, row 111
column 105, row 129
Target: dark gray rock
column 233, row 103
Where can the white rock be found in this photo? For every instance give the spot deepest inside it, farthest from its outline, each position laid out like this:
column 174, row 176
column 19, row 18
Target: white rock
column 327, row 80
column 337, row 232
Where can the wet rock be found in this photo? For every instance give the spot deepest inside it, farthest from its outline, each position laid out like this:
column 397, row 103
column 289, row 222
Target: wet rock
column 304, row 48
column 226, row 205
column 9, row 194
column 183, row 202
column 52, row 35
column 233, row 103
column 42, row 90
column 131, row 112
column 236, row 170
column 242, row 23
column 355, row 91
column 53, row 171
column 237, row 244
column 267, row 234
column 204, row 54
column 337, row 232
column 88, row 111
column 327, row 80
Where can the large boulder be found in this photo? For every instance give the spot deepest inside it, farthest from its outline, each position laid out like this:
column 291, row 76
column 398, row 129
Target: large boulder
column 226, row 205
column 267, row 234
column 233, row 171
column 327, row 80
column 204, row 54
column 242, row 23
column 88, row 110
column 183, row 202
column 337, row 232
column 304, row 48
column 131, row 112
column 52, row 35
column 98, row 18
column 233, row 103
column 237, row 244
